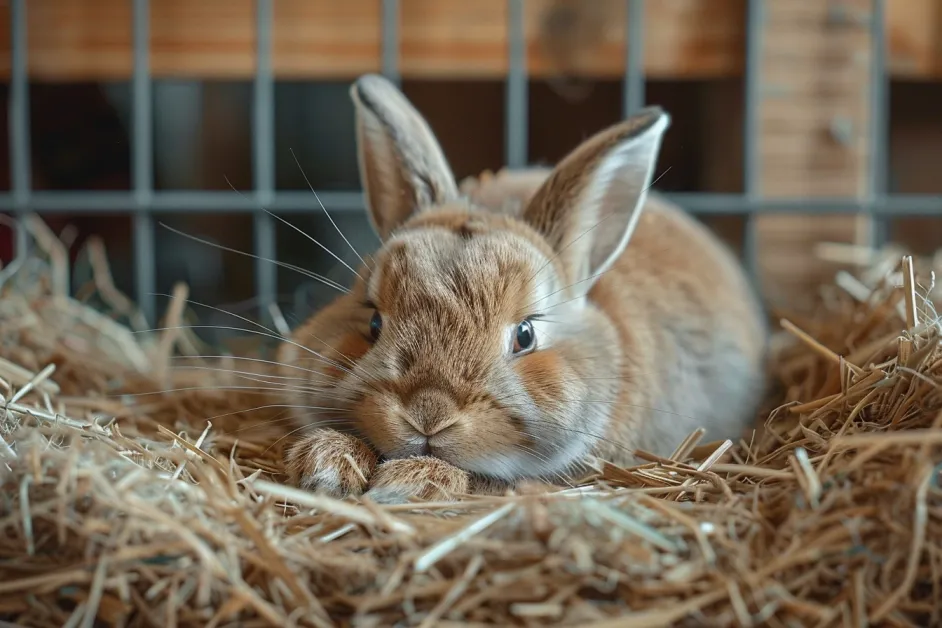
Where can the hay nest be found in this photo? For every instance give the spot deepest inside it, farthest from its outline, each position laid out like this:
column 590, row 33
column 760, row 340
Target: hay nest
column 139, row 491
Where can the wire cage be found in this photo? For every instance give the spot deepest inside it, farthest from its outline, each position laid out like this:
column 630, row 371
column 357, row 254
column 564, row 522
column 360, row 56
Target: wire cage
column 144, row 204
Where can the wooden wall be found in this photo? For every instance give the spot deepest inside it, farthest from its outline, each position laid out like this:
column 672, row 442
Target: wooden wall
column 318, row 39
column 814, row 121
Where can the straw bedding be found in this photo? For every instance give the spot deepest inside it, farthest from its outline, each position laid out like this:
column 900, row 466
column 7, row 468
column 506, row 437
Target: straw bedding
column 140, row 488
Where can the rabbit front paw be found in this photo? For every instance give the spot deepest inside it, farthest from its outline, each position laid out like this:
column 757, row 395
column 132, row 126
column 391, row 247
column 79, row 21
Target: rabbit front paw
column 422, row 477
column 329, row 462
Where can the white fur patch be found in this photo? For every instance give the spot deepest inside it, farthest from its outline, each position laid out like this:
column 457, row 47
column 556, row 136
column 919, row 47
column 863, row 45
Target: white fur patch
column 326, row 480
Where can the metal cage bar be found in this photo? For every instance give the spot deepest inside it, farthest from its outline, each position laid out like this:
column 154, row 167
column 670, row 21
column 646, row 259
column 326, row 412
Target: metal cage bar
column 212, row 202
column 18, row 120
column 142, row 202
column 263, row 154
column 634, row 79
column 390, row 40
column 755, row 25
column 142, row 163
column 879, row 124
column 516, row 114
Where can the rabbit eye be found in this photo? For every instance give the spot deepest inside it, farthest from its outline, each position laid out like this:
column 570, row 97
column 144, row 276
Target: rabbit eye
column 524, row 338
column 376, row 325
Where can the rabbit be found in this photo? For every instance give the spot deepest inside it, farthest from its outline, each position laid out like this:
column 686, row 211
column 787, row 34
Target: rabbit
column 506, row 191
column 566, row 315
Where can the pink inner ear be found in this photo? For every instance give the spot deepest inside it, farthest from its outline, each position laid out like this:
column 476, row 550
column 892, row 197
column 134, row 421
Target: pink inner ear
column 402, row 166
column 588, row 208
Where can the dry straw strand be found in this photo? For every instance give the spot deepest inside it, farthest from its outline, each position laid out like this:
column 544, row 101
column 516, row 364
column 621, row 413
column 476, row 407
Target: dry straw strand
column 140, row 489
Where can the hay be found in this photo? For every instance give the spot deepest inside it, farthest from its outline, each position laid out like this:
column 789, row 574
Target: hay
column 139, row 491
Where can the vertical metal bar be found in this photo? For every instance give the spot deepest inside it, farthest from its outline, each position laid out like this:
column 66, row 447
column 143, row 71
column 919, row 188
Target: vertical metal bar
column 18, row 120
column 634, row 58
column 515, row 121
column 390, row 39
column 144, row 250
column 752, row 166
column 879, row 121
column 263, row 153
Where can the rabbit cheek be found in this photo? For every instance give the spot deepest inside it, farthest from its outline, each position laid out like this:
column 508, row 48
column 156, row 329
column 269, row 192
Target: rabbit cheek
column 350, row 348
column 541, row 376
column 375, row 415
column 555, row 392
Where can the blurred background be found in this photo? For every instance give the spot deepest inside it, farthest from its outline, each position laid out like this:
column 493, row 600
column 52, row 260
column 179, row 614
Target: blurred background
column 838, row 104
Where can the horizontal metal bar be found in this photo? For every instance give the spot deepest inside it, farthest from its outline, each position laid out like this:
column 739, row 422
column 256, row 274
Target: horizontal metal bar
column 894, row 205
column 80, row 202
column 184, row 202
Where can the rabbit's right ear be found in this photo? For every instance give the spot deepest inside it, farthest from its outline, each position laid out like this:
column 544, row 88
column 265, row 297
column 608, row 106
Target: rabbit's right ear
column 589, row 206
column 402, row 167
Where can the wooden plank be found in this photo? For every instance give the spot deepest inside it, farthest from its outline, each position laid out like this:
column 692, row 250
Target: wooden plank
column 89, row 40
column 72, row 39
column 206, row 37
column 821, row 87
column 327, row 39
column 683, row 38
column 914, row 31
column 453, row 39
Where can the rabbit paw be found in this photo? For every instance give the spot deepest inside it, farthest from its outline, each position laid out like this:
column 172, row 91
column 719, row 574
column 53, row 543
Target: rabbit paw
column 422, row 477
column 328, row 462
column 481, row 485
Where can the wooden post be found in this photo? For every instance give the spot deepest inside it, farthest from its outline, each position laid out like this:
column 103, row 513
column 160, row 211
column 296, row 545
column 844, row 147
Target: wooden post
column 814, row 133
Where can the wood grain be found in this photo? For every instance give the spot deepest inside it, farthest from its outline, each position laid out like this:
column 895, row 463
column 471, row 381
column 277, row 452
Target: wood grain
column 87, row 40
column 813, row 134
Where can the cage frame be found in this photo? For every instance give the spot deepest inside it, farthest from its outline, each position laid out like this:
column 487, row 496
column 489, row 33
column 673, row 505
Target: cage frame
column 142, row 203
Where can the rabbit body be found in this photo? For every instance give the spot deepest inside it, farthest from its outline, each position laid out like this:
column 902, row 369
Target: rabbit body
column 521, row 325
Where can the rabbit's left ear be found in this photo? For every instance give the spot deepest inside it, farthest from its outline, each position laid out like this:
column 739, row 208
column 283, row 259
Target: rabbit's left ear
column 589, row 206
column 402, row 167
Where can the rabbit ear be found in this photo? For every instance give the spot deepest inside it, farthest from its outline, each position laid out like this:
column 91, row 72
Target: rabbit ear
column 402, row 167
column 589, row 206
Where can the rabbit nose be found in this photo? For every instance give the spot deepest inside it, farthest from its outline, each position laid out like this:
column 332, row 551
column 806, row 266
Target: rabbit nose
column 430, row 411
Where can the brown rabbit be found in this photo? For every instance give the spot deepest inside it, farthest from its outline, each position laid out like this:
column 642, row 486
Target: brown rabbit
column 518, row 336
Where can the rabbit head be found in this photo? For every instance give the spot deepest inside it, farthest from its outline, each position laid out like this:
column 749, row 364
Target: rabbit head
column 469, row 336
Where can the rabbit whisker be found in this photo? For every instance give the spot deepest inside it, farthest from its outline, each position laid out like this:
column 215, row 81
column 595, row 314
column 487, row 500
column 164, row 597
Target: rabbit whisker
column 269, row 332
column 289, row 419
column 297, row 269
column 260, row 377
column 270, row 406
column 268, row 335
column 324, row 209
column 246, row 389
column 246, row 359
column 301, row 231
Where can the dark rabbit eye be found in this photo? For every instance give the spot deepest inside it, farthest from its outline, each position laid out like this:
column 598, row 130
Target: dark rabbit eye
column 376, row 325
column 524, row 337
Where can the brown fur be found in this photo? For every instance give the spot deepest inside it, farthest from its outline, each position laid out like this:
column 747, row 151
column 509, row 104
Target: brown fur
column 335, row 463
column 421, row 477
column 638, row 343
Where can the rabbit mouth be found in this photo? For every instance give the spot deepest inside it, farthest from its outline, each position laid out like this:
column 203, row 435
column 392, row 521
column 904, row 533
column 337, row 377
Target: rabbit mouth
column 416, row 447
